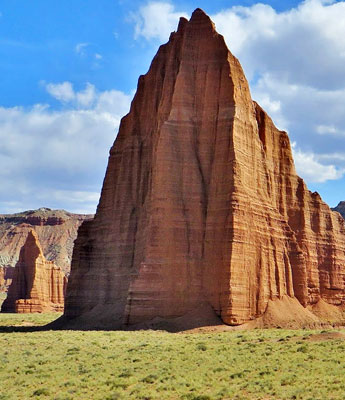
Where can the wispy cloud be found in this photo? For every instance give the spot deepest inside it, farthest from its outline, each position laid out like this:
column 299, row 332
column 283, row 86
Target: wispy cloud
column 80, row 48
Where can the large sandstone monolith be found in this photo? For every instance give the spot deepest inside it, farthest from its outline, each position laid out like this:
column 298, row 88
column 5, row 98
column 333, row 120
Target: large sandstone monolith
column 38, row 285
column 201, row 209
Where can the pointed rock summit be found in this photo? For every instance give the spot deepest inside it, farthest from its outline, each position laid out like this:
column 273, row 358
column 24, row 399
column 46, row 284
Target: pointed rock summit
column 37, row 285
column 202, row 215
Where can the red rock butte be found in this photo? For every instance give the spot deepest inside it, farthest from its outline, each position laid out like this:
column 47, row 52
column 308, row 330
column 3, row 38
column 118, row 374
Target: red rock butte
column 38, row 285
column 202, row 215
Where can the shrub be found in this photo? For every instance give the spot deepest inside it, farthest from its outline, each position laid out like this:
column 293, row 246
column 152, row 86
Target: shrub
column 41, row 392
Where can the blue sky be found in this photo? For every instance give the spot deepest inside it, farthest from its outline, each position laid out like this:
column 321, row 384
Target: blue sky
column 68, row 70
column 39, row 38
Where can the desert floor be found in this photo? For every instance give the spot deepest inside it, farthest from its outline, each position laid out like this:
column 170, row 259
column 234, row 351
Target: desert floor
column 252, row 364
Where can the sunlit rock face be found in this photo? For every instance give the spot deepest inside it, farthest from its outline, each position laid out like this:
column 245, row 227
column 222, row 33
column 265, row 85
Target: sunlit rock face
column 201, row 208
column 6, row 274
column 37, row 285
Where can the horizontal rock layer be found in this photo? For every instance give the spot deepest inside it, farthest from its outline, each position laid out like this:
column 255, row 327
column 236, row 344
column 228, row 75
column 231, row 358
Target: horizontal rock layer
column 201, row 205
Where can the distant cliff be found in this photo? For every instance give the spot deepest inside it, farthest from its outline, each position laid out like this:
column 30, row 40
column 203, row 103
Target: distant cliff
column 56, row 231
column 340, row 208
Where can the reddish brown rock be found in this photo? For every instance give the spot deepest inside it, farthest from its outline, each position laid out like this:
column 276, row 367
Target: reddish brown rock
column 38, row 285
column 56, row 230
column 201, row 207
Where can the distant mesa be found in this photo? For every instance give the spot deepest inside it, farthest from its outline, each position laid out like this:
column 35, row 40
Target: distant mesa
column 340, row 208
column 37, row 285
column 202, row 217
column 56, row 231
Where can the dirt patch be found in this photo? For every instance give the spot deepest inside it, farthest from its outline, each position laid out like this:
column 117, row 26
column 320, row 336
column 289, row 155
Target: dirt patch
column 325, row 336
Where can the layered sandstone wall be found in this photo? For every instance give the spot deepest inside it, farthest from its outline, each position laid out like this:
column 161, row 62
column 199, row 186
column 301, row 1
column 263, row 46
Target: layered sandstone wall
column 201, row 205
column 37, row 285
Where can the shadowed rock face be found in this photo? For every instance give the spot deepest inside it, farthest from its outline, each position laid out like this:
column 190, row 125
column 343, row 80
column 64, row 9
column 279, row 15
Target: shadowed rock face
column 37, row 285
column 201, row 207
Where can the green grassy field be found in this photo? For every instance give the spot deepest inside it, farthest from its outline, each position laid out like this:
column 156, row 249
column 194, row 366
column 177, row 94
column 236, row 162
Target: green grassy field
column 257, row 364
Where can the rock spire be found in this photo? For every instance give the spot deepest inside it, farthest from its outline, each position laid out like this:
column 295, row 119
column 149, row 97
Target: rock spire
column 38, row 285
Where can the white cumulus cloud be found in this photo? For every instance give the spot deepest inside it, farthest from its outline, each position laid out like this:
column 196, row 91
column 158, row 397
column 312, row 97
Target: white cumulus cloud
column 58, row 158
column 294, row 61
column 156, row 20
column 65, row 92
column 61, row 91
column 87, row 96
column 309, row 168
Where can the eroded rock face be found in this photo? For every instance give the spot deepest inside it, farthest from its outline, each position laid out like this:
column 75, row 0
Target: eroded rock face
column 201, row 206
column 38, row 285
column 56, row 230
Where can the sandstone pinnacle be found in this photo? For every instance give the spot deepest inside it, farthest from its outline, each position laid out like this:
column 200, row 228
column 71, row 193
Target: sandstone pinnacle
column 37, row 285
